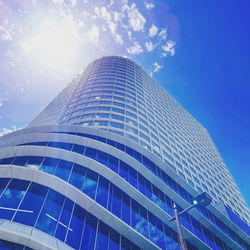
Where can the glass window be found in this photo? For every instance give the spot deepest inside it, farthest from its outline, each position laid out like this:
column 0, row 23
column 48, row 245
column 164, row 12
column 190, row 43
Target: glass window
column 126, row 208
column 102, row 191
column 51, row 210
column 123, row 170
column 49, row 165
column 102, row 157
column 29, row 210
column 114, row 241
column 89, row 186
column 3, row 184
column 77, row 176
column 78, row 149
column 6, row 160
column 11, row 198
column 76, row 227
column 116, row 201
column 34, row 161
column 90, row 152
column 113, row 163
column 63, row 169
column 88, row 238
column 64, row 220
column 102, row 237
column 20, row 160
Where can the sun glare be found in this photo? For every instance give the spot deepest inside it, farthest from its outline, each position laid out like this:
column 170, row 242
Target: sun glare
column 53, row 43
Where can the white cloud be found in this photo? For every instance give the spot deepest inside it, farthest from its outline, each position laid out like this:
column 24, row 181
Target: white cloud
column 73, row 3
column 107, row 17
column 153, row 30
column 157, row 66
column 169, row 48
column 5, row 131
column 149, row 46
column 58, row 1
column 135, row 49
column 130, row 36
column 112, row 27
column 93, row 34
column 163, row 34
column 6, row 36
column 135, row 18
column 2, row 100
column 118, row 39
column 149, row 6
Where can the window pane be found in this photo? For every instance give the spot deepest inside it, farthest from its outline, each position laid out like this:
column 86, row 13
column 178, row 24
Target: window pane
column 114, row 240
column 76, row 227
column 51, row 210
column 49, row 165
column 77, row 176
column 31, row 204
column 89, row 186
column 64, row 220
column 102, row 191
column 88, row 239
column 63, row 169
column 11, row 198
column 102, row 237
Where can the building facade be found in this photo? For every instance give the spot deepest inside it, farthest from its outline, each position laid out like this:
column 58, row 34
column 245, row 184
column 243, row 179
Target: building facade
column 102, row 164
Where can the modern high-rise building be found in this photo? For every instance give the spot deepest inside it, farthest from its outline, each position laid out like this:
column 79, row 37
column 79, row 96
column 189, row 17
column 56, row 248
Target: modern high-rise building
column 101, row 166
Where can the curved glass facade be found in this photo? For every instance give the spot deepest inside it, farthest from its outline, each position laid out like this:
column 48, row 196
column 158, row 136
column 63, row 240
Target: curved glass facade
column 101, row 166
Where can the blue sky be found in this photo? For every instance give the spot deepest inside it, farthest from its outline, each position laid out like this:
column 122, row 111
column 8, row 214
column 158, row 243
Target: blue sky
column 198, row 50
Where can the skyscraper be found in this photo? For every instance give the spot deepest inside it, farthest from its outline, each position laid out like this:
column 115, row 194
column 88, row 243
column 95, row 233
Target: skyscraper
column 102, row 164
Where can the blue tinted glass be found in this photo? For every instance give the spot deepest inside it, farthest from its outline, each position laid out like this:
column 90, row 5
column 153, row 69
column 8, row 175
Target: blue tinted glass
column 102, row 191
column 64, row 220
column 126, row 208
column 168, row 238
column 152, row 228
column 78, row 149
column 123, row 170
column 141, row 183
column 102, row 237
column 143, row 222
column 31, row 204
column 90, row 152
column 6, row 245
column 66, row 146
column 135, row 216
column 88, row 239
column 114, row 240
column 89, row 186
column 102, row 158
column 116, row 202
column 132, row 178
column 125, row 244
column 75, row 228
column 161, row 238
column 63, row 169
column 148, row 191
column 113, row 164
column 120, row 146
column 6, row 160
column 34, row 161
column 49, row 215
column 11, row 197
column 77, row 176
column 49, row 165
column 3, row 183
column 20, row 160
